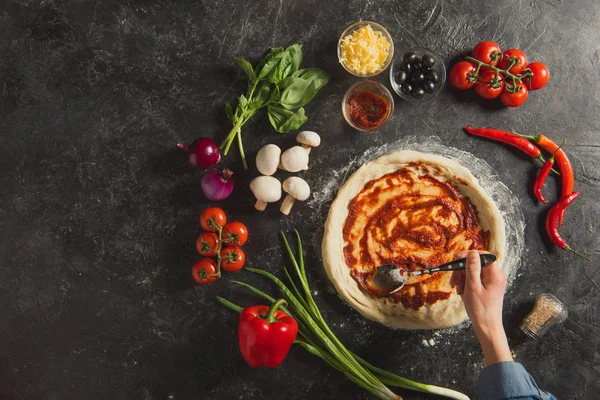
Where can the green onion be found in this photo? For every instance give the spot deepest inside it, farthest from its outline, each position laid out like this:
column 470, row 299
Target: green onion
column 315, row 336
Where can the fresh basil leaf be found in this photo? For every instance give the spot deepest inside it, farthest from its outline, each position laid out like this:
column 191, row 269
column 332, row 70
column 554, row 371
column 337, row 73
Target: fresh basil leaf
column 296, row 58
column 285, row 120
column 286, row 82
column 229, row 112
column 243, row 101
column 278, row 116
column 247, row 68
column 275, row 94
column 261, row 94
column 278, row 73
column 271, row 60
column 299, row 82
column 295, row 121
column 314, row 74
column 297, row 93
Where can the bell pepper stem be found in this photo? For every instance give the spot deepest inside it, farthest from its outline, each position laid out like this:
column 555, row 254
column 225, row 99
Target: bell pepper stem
column 270, row 316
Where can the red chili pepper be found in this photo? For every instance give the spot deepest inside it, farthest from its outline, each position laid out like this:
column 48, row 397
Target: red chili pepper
column 266, row 334
column 509, row 138
column 564, row 165
column 541, row 178
column 552, row 219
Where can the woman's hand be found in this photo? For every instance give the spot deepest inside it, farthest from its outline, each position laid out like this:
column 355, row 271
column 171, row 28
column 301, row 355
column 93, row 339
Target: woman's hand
column 482, row 292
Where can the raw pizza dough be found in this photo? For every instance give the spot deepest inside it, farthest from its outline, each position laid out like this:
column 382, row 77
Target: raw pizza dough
column 439, row 314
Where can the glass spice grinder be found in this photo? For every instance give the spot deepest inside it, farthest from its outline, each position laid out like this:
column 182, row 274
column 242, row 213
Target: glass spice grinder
column 547, row 312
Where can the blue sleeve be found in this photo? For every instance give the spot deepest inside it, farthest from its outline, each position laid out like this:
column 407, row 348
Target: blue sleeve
column 507, row 381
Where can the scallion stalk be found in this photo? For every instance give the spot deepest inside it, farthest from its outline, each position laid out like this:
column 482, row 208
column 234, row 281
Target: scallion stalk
column 315, row 336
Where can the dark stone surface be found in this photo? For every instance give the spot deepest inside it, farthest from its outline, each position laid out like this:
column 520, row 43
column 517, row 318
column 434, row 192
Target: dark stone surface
column 98, row 212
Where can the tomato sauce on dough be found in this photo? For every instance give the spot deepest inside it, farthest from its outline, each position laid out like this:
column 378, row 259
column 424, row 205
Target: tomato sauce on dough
column 416, row 218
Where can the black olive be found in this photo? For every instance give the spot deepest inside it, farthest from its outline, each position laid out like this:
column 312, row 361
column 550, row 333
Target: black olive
column 417, row 77
column 406, row 88
column 429, row 86
column 433, row 76
column 417, row 92
column 417, row 64
column 401, row 77
column 410, row 57
column 405, row 67
column 427, row 60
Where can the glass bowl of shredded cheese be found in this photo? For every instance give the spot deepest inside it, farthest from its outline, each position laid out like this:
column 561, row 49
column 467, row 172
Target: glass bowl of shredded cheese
column 365, row 49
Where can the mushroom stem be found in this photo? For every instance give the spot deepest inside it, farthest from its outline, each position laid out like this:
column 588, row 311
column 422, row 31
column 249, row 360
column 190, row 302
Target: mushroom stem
column 307, row 148
column 287, row 204
column 260, row 205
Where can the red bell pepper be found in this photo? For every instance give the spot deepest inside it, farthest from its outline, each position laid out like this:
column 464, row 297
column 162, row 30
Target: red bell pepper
column 266, row 334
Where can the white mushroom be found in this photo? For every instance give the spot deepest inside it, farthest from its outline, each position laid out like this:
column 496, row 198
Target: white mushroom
column 294, row 159
column 267, row 159
column 266, row 189
column 296, row 189
column 308, row 140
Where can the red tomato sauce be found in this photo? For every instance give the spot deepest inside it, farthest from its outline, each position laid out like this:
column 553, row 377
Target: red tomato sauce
column 378, row 235
column 367, row 109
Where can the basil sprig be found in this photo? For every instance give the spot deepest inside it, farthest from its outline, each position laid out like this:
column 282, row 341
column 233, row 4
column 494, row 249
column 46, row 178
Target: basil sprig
column 278, row 84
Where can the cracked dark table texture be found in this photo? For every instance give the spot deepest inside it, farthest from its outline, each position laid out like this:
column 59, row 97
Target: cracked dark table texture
column 98, row 211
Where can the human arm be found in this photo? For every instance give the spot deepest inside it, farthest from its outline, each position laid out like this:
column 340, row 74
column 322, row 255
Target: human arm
column 482, row 292
column 509, row 380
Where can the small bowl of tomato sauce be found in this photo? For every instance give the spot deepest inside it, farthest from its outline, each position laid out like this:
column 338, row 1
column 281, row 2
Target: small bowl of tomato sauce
column 367, row 106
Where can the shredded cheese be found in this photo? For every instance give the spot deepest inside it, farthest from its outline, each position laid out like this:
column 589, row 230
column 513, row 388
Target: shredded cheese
column 364, row 51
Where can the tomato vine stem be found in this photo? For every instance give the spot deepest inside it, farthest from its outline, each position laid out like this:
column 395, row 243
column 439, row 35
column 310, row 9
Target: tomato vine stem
column 505, row 73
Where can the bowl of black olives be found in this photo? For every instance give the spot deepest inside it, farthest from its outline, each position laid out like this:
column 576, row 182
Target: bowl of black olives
column 417, row 75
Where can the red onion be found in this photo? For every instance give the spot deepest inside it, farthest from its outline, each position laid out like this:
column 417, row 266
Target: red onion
column 203, row 152
column 217, row 184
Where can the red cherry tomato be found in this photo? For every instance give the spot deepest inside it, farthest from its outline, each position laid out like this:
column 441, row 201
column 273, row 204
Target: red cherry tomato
column 460, row 74
column 232, row 259
column 216, row 215
column 486, row 88
column 202, row 269
column 506, row 58
column 207, row 244
column 235, row 231
column 488, row 52
column 514, row 99
column 540, row 76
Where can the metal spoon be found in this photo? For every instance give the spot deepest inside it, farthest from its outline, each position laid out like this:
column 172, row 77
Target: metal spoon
column 388, row 279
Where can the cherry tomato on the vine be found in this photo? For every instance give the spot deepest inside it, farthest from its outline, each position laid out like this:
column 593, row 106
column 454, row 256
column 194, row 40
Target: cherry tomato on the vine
column 485, row 52
column 514, row 99
column 513, row 53
column 202, row 270
column 486, row 88
column 216, row 215
column 460, row 73
column 235, row 231
column 540, row 76
column 207, row 244
column 232, row 259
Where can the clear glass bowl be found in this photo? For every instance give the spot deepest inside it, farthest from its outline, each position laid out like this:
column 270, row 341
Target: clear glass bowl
column 377, row 28
column 372, row 86
column 439, row 67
